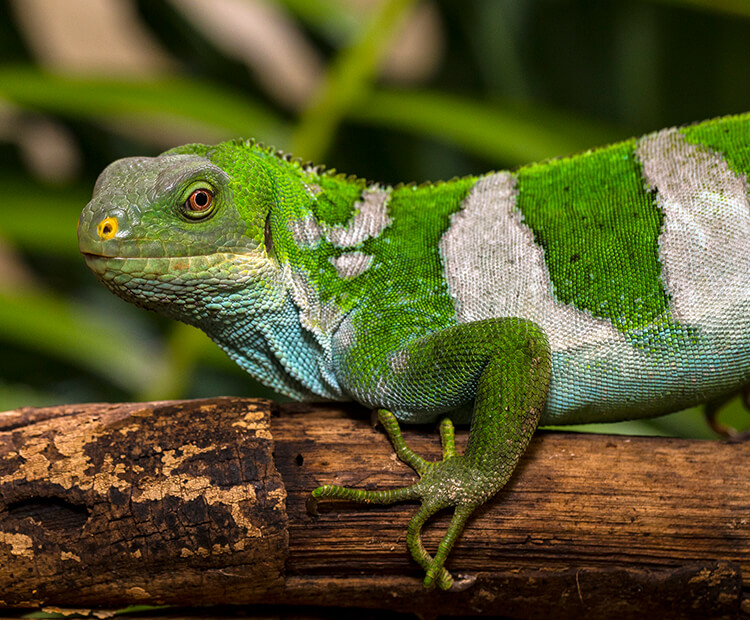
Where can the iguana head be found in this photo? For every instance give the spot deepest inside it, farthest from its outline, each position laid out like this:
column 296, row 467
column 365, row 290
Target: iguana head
column 170, row 233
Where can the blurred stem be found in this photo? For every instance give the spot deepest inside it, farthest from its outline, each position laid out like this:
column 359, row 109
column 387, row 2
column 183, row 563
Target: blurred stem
column 348, row 78
column 334, row 20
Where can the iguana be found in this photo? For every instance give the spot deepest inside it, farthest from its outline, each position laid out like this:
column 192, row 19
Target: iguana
column 609, row 285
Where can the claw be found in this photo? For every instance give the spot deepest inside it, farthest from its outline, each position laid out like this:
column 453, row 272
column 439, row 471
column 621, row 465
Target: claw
column 428, row 489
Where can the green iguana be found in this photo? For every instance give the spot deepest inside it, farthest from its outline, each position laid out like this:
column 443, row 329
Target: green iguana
column 611, row 285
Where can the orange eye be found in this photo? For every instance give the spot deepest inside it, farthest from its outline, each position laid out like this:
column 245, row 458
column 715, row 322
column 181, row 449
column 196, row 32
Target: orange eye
column 199, row 201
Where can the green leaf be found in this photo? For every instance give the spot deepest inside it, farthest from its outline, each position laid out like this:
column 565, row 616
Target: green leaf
column 503, row 132
column 183, row 348
column 334, row 20
column 197, row 101
column 16, row 396
column 41, row 218
column 72, row 332
column 735, row 414
column 689, row 424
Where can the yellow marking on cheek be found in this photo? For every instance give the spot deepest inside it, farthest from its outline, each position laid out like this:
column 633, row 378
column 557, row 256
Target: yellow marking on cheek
column 107, row 228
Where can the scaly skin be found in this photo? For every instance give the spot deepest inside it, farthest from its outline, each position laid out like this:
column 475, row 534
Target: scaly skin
column 610, row 285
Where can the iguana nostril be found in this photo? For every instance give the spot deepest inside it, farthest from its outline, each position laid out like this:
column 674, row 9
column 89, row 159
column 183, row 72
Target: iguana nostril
column 107, row 228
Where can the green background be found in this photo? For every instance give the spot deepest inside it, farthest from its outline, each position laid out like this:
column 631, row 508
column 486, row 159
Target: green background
column 504, row 82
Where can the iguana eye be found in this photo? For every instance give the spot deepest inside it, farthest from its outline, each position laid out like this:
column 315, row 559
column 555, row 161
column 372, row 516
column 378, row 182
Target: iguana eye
column 198, row 204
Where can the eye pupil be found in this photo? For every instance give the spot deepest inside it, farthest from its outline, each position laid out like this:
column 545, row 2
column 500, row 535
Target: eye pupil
column 199, row 200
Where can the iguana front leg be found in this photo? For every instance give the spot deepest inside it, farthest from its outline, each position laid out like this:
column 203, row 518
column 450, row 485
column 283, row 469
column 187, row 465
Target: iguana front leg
column 503, row 365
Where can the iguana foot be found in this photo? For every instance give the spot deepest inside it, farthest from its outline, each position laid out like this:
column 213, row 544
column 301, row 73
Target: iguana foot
column 711, row 412
column 442, row 484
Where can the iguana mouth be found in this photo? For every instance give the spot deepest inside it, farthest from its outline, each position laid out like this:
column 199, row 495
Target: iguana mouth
column 102, row 265
column 225, row 270
column 96, row 255
column 90, row 258
column 88, row 255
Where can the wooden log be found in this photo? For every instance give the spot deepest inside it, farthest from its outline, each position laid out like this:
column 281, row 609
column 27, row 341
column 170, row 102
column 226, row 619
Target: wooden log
column 112, row 504
column 204, row 502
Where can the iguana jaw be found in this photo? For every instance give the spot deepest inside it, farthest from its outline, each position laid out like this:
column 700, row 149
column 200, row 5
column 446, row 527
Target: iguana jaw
column 220, row 271
column 190, row 288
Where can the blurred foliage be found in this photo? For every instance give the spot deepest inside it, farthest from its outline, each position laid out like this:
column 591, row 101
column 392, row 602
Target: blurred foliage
column 517, row 80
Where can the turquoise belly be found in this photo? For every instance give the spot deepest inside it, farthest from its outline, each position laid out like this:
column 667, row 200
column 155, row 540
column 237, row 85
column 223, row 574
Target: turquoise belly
column 617, row 381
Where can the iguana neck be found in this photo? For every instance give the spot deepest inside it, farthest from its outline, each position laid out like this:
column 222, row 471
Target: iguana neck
column 275, row 348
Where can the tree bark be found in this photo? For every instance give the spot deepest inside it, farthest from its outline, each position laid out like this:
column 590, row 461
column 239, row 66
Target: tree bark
column 204, row 503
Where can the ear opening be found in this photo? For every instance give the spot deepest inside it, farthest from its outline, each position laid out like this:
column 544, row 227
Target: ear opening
column 267, row 238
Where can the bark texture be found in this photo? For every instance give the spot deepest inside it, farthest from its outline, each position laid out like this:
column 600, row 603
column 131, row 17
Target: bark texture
column 118, row 504
column 204, row 503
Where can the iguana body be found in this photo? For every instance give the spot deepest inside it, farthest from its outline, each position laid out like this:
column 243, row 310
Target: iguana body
column 611, row 285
